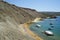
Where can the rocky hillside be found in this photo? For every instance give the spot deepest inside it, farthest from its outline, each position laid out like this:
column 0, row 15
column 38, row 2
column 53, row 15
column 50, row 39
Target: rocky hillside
column 19, row 14
column 11, row 17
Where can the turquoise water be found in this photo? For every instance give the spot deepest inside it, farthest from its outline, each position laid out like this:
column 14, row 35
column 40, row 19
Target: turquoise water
column 45, row 24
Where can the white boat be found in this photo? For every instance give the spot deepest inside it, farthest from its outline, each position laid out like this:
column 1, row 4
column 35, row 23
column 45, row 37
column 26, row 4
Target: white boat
column 37, row 25
column 49, row 33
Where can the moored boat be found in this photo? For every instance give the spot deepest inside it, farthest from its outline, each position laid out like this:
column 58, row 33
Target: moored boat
column 38, row 26
column 49, row 33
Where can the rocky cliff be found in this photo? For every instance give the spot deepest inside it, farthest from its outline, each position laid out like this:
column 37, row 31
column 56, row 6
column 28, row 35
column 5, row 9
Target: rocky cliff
column 19, row 14
column 11, row 17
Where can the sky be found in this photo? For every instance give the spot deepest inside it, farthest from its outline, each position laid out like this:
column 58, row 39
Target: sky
column 39, row 5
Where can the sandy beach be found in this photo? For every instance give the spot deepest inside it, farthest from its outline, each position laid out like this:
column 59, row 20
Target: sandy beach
column 26, row 27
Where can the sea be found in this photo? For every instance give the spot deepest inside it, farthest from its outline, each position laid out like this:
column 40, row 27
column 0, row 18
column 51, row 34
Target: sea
column 52, row 23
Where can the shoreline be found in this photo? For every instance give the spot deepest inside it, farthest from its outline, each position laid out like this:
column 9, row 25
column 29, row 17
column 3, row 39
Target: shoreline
column 33, row 35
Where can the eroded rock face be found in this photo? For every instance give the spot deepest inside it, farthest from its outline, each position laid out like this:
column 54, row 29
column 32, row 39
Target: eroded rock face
column 10, row 17
column 9, row 30
column 20, row 14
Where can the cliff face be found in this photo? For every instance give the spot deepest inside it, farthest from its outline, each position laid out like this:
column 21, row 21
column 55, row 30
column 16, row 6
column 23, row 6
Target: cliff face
column 19, row 14
column 11, row 17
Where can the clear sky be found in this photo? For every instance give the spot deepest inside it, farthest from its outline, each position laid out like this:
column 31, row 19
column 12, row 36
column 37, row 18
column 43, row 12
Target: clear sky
column 39, row 5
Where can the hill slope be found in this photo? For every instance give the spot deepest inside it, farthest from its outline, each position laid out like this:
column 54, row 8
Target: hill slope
column 21, row 15
column 11, row 17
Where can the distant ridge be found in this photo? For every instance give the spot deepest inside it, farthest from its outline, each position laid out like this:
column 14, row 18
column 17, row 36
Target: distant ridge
column 49, row 14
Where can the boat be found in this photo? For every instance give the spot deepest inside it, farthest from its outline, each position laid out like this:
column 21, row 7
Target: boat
column 38, row 26
column 51, row 24
column 50, row 28
column 49, row 33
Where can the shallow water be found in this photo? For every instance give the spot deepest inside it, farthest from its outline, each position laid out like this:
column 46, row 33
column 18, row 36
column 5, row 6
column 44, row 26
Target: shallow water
column 45, row 24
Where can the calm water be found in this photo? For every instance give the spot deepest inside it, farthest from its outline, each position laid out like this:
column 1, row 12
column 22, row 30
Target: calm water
column 45, row 24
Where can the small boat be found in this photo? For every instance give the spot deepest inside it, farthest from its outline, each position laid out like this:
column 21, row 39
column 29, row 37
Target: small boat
column 50, row 28
column 38, row 26
column 49, row 33
column 51, row 24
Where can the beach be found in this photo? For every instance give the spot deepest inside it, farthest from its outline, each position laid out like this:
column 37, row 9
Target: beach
column 27, row 31
column 33, row 35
